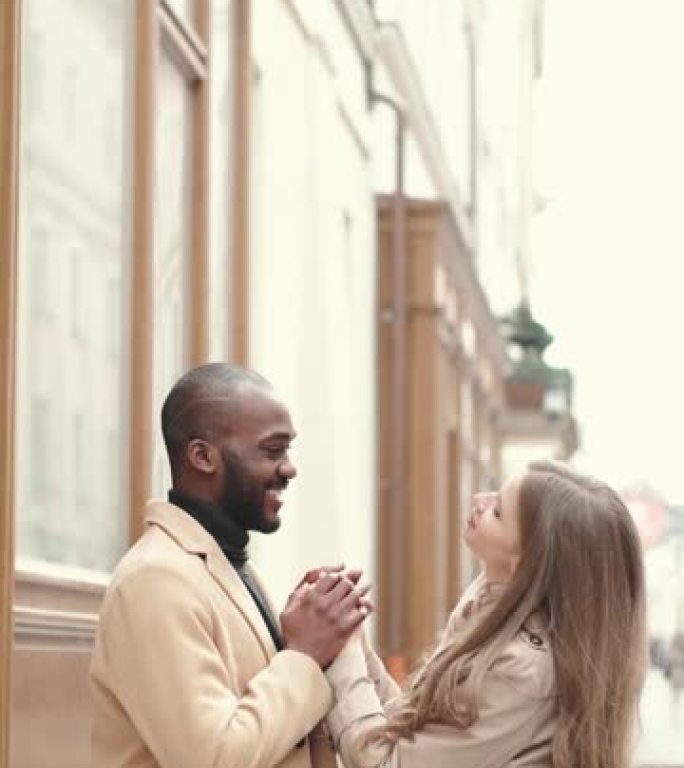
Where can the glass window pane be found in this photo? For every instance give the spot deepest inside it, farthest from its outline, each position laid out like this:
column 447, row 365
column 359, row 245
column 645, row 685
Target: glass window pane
column 172, row 242
column 70, row 422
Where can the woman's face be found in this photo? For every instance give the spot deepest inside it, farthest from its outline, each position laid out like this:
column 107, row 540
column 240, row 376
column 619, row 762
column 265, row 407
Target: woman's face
column 492, row 530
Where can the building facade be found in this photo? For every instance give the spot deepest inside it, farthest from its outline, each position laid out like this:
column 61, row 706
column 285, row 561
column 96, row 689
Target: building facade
column 310, row 187
column 449, row 425
column 456, row 214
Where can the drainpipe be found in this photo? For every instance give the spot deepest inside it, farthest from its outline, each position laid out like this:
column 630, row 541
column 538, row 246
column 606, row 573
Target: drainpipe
column 397, row 315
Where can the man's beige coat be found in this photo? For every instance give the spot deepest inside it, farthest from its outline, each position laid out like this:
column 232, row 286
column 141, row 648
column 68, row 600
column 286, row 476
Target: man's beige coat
column 184, row 672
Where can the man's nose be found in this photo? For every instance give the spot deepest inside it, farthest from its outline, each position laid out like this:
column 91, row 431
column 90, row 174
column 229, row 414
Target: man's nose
column 287, row 470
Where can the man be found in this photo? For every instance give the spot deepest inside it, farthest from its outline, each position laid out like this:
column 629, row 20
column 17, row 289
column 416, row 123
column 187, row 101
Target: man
column 190, row 667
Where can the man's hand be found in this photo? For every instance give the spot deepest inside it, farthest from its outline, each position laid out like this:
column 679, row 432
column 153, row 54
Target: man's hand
column 353, row 574
column 312, row 576
column 320, row 617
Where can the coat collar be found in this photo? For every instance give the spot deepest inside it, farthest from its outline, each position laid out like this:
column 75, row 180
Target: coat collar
column 482, row 593
column 190, row 536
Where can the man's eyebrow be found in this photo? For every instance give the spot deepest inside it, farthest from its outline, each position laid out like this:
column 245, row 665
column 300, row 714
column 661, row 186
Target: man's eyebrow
column 278, row 436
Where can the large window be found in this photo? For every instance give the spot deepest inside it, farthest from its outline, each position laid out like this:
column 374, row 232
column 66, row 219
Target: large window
column 72, row 259
column 81, row 367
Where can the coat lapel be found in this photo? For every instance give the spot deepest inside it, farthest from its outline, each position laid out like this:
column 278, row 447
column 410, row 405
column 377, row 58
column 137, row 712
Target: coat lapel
column 259, row 580
column 226, row 577
column 190, row 535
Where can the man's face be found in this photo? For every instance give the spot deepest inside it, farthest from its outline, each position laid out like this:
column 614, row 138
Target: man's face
column 256, row 464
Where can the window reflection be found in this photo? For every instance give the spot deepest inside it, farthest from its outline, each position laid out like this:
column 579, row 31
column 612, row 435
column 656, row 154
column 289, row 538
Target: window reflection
column 71, row 262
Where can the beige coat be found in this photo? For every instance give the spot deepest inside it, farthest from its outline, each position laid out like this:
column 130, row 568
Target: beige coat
column 517, row 710
column 184, row 671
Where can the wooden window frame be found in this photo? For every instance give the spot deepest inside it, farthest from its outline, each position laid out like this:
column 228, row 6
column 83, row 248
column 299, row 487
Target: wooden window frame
column 241, row 122
column 10, row 42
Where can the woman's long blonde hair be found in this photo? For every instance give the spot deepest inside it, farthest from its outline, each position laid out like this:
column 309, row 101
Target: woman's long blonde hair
column 581, row 569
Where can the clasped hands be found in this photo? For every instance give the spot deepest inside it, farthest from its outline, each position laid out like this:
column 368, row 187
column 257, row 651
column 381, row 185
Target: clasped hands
column 323, row 611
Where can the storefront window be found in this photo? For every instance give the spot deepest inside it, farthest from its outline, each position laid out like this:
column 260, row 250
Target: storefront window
column 72, row 260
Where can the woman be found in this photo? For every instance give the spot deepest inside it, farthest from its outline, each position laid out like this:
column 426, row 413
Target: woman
column 542, row 661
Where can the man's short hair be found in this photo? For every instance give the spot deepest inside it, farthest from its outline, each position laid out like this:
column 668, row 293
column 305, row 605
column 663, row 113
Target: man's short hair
column 191, row 407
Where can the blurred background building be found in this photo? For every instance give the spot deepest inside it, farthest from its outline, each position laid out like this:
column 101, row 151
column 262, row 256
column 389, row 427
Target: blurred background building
column 335, row 192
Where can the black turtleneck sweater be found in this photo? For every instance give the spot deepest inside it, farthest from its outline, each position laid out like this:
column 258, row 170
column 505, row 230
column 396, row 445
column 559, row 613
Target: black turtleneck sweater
column 232, row 540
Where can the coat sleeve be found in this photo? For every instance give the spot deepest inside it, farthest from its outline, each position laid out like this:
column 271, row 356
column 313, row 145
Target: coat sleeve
column 160, row 662
column 385, row 685
column 509, row 721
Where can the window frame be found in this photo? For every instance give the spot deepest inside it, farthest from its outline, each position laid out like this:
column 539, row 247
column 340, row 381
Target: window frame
column 10, row 24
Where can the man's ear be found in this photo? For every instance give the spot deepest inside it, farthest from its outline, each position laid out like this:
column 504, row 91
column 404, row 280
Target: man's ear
column 202, row 456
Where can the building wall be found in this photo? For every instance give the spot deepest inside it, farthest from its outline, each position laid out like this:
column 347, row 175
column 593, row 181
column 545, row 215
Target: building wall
column 479, row 91
column 312, row 283
column 71, row 364
column 100, row 339
column 507, row 43
column 78, row 265
column 311, row 289
column 446, row 73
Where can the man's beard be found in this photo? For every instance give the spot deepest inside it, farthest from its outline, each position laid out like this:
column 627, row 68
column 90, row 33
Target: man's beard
column 242, row 497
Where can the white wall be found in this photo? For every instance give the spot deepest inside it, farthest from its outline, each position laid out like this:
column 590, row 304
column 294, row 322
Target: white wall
column 312, row 329
column 436, row 36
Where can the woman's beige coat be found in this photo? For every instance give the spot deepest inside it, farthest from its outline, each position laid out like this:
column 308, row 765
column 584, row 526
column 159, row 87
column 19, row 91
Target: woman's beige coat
column 184, row 672
column 517, row 711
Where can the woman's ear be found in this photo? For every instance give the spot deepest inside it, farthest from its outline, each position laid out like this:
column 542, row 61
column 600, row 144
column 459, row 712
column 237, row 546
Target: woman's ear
column 202, row 456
